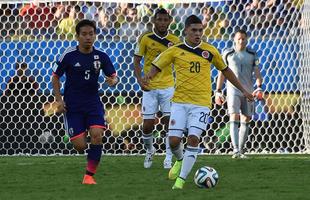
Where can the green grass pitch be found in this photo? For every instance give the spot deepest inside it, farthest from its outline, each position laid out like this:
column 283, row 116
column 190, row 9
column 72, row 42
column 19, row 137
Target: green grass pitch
column 269, row 177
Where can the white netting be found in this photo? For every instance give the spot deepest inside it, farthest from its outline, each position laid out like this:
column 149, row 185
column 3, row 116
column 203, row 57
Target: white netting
column 37, row 32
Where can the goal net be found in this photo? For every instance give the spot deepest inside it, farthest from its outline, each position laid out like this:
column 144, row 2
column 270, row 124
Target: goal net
column 34, row 34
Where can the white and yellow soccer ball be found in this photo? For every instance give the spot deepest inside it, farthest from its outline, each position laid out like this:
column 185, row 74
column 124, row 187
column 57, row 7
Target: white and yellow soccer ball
column 206, row 177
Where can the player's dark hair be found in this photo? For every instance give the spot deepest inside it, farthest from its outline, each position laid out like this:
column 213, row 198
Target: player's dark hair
column 85, row 22
column 193, row 19
column 241, row 31
column 161, row 11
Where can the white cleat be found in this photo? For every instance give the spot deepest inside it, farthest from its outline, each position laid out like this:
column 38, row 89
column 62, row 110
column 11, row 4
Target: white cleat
column 242, row 156
column 167, row 163
column 148, row 161
column 236, row 155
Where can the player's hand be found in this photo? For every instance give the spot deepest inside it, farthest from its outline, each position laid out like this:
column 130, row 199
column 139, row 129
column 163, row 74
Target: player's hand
column 61, row 106
column 219, row 98
column 258, row 94
column 144, row 82
column 111, row 80
column 248, row 95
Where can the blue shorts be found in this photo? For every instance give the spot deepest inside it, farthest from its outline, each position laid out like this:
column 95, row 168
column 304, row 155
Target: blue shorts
column 76, row 123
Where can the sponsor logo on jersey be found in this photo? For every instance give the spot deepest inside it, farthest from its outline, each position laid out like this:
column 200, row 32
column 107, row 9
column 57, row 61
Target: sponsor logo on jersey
column 77, row 64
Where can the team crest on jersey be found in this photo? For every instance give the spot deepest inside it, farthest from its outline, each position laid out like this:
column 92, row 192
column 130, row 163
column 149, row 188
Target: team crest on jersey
column 170, row 44
column 97, row 65
column 172, row 122
column 96, row 57
column 205, row 54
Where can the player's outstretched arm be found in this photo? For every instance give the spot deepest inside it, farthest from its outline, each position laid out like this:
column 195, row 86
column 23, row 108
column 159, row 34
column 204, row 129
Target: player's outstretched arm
column 229, row 74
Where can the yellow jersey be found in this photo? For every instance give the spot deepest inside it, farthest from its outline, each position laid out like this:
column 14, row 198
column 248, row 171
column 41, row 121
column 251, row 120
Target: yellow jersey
column 149, row 46
column 193, row 71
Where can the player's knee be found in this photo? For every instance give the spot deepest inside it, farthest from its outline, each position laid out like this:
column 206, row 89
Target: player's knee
column 80, row 147
column 148, row 126
column 174, row 142
column 193, row 140
column 234, row 117
column 96, row 139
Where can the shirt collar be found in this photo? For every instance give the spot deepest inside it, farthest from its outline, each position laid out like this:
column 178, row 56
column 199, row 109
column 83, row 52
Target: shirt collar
column 191, row 46
column 160, row 36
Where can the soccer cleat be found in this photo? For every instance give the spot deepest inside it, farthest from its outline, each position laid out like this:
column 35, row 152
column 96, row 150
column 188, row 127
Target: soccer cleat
column 167, row 163
column 236, row 155
column 179, row 184
column 88, row 180
column 175, row 170
column 242, row 156
column 148, row 161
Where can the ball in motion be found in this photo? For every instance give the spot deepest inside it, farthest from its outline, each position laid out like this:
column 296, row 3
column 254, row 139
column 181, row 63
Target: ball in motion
column 206, row 177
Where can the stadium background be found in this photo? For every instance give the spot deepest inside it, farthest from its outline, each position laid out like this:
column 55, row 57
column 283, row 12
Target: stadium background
column 36, row 38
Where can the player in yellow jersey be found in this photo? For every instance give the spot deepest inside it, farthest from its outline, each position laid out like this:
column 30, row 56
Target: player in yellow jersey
column 191, row 102
column 160, row 90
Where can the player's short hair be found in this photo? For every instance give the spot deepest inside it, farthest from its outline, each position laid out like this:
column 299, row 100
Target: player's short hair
column 84, row 22
column 241, row 31
column 193, row 19
column 161, row 11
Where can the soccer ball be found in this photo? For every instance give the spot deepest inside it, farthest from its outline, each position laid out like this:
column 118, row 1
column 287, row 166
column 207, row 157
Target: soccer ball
column 206, row 177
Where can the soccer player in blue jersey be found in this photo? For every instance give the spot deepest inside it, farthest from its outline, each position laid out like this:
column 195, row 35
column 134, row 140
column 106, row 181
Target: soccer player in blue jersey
column 244, row 63
column 81, row 105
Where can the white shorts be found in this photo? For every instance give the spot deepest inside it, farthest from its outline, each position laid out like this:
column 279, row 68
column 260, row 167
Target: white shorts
column 192, row 117
column 239, row 104
column 153, row 99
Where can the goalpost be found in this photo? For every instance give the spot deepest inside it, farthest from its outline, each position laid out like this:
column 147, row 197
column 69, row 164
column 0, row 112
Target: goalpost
column 36, row 32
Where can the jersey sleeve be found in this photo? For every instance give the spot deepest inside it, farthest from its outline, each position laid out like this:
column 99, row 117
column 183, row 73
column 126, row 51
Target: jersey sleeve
column 59, row 66
column 224, row 56
column 218, row 61
column 140, row 47
column 164, row 59
column 107, row 67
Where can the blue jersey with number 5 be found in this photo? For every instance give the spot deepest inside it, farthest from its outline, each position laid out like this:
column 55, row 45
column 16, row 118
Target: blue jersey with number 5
column 82, row 72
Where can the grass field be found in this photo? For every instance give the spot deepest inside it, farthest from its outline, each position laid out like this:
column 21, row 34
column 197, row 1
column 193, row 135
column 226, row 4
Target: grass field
column 269, row 177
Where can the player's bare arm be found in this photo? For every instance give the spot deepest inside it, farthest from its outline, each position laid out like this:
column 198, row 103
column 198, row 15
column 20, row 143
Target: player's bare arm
column 258, row 92
column 137, row 72
column 61, row 108
column 229, row 74
column 154, row 70
column 219, row 97
column 111, row 80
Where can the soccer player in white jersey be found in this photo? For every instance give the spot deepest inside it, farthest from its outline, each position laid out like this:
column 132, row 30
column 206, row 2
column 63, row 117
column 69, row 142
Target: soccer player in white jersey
column 191, row 102
column 244, row 63
column 160, row 90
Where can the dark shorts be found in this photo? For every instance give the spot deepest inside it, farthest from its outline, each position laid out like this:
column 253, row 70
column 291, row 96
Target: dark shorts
column 77, row 123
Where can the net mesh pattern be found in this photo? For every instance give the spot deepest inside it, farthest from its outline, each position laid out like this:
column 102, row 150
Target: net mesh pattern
column 35, row 33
